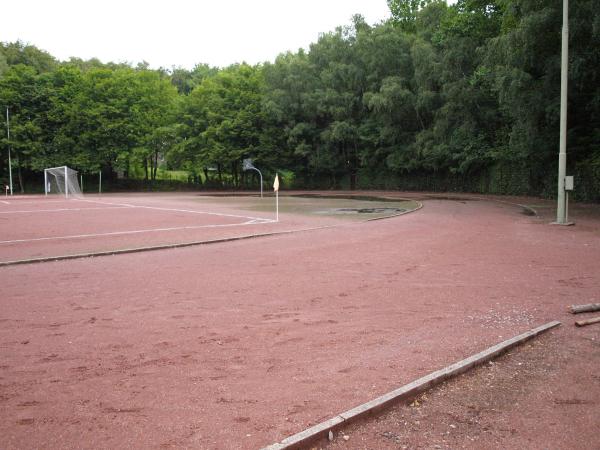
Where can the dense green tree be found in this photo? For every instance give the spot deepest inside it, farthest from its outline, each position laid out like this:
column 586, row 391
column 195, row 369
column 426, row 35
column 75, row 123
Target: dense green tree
column 185, row 80
column 466, row 95
column 17, row 93
column 152, row 114
column 290, row 108
column 15, row 53
column 3, row 63
column 222, row 120
column 405, row 12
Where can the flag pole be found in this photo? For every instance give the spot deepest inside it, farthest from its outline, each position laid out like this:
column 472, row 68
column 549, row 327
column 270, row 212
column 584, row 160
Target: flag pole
column 276, row 189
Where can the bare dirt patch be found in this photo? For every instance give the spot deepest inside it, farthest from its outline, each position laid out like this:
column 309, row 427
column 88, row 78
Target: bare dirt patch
column 241, row 344
column 544, row 394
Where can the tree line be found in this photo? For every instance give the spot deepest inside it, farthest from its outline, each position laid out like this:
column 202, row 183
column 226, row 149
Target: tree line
column 460, row 97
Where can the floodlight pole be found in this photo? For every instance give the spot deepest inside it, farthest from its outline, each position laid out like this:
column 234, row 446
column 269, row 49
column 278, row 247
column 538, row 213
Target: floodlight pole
column 10, row 182
column 561, row 216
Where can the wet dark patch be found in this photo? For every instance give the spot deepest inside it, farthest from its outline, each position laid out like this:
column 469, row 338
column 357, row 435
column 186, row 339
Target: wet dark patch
column 527, row 212
column 368, row 198
column 450, row 198
column 370, row 210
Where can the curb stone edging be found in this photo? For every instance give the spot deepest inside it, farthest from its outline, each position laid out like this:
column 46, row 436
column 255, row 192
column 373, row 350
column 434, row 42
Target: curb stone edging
column 316, row 432
column 189, row 244
column 152, row 248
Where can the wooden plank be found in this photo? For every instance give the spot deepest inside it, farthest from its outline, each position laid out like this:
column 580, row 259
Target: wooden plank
column 591, row 307
column 583, row 323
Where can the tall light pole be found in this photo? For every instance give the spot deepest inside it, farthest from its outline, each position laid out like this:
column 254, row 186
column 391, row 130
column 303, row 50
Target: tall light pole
column 9, row 159
column 561, row 210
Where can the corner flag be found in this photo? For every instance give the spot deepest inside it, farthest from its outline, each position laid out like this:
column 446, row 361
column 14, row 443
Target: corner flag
column 276, row 189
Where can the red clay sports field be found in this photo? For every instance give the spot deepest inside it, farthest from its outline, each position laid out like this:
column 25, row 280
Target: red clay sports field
column 236, row 331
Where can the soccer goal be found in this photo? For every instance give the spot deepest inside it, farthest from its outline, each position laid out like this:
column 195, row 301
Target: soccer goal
column 61, row 180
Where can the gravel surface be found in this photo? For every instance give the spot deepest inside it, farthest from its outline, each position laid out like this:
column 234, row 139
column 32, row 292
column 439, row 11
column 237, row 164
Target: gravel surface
column 544, row 394
column 241, row 344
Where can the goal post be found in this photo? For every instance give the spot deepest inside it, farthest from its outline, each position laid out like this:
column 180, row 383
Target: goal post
column 61, row 180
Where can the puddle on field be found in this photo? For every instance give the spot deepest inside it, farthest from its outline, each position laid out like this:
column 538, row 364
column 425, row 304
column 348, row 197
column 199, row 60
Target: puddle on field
column 340, row 206
column 384, row 211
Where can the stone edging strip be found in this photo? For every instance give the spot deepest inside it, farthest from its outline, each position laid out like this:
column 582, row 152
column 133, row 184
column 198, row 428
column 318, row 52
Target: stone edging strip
column 147, row 249
column 319, row 431
column 531, row 210
column 188, row 244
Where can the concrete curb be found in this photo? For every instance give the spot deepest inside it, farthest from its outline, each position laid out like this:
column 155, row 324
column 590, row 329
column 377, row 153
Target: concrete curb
column 189, row 244
column 531, row 210
column 319, row 431
column 465, row 196
column 152, row 248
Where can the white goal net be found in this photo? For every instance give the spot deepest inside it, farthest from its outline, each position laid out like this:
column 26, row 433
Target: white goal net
column 61, row 180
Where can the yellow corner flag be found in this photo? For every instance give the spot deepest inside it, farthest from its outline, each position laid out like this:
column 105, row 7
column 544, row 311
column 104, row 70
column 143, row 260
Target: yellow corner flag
column 276, row 189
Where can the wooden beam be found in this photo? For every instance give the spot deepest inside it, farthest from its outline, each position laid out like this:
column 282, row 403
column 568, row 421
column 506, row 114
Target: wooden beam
column 591, row 307
column 576, row 309
column 583, row 323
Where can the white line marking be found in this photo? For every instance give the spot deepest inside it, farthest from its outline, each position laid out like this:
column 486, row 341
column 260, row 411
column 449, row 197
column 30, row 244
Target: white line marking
column 192, row 211
column 6, row 203
column 23, row 211
column 249, row 220
column 118, row 233
column 37, row 202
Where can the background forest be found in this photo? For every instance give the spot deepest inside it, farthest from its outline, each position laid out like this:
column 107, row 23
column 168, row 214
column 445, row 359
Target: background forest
column 463, row 97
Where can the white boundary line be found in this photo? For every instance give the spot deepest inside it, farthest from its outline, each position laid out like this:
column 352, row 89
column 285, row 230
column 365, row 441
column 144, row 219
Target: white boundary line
column 192, row 211
column 36, row 202
column 129, row 205
column 31, row 211
column 120, row 233
column 249, row 221
column 193, row 243
column 155, row 247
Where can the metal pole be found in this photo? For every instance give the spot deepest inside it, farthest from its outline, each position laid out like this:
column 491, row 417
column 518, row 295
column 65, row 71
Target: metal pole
column 66, row 183
column 45, row 181
column 100, row 182
column 261, row 181
column 10, row 183
column 562, row 156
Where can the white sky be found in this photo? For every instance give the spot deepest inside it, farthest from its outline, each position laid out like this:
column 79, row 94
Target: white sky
column 178, row 32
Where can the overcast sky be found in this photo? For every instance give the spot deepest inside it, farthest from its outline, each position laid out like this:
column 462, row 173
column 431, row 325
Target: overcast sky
column 178, row 32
